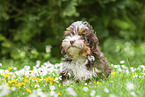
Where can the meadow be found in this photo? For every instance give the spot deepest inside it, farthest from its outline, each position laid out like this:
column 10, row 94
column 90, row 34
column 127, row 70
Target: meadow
column 42, row 80
column 31, row 32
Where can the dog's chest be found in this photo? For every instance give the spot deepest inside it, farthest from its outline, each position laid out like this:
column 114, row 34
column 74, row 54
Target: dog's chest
column 77, row 69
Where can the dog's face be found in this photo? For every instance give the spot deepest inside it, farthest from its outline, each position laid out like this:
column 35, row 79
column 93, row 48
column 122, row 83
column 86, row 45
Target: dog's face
column 79, row 40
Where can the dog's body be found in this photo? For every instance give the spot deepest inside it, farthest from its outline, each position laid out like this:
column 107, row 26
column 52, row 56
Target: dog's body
column 83, row 59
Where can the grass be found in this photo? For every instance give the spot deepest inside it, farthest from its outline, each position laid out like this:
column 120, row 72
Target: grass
column 41, row 79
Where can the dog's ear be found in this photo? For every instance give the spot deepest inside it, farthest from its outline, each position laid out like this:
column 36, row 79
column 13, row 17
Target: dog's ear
column 93, row 40
column 63, row 51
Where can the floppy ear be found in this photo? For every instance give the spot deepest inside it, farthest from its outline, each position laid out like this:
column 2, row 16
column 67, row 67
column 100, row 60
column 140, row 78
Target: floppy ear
column 93, row 40
column 63, row 51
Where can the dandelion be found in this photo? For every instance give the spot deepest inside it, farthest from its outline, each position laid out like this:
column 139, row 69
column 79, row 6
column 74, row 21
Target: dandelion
column 58, row 93
column 113, row 73
column 130, row 86
column 85, row 89
column 26, row 80
column 9, row 68
column 99, row 83
column 6, row 75
column 92, row 93
column 28, row 90
column 3, row 79
column 71, row 91
column 106, row 90
column 33, row 78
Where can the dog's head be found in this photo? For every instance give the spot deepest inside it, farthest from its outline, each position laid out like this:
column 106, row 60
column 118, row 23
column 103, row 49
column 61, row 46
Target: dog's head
column 79, row 40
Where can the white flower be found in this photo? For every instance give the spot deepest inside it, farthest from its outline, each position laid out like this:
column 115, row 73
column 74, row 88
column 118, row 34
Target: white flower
column 27, row 67
column 85, row 89
column 52, row 93
column 123, row 66
column 98, row 96
column 85, row 83
column 112, row 95
column 71, row 91
column 122, row 61
column 32, row 95
column 106, row 90
column 15, row 68
column 130, row 86
column 37, row 86
column 48, row 48
column 92, row 93
column 37, row 63
column 4, row 89
column 116, row 66
column 13, row 88
column 52, row 88
column 133, row 94
column 127, row 71
column 119, row 69
column 0, row 64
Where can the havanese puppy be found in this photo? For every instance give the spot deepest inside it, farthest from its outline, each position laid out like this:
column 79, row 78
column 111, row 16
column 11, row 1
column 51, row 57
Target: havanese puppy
column 83, row 59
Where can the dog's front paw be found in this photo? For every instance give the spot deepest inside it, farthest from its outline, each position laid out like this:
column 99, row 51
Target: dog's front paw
column 64, row 76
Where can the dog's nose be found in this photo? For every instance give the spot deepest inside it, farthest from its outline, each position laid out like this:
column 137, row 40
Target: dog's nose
column 72, row 42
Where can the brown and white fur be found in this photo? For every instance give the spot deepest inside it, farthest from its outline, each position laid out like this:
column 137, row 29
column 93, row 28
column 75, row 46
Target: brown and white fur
column 83, row 59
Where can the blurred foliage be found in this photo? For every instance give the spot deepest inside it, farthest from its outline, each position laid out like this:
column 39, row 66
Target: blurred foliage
column 28, row 26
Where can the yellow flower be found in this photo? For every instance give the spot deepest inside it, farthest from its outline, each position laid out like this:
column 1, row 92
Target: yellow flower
column 49, row 79
column 58, row 93
column 99, row 83
column 6, row 75
column 33, row 77
column 19, row 85
column 94, row 82
column 26, row 80
column 51, row 82
column 38, row 80
column 23, row 83
column 3, row 79
column 113, row 73
column 13, row 80
column 9, row 68
column 28, row 90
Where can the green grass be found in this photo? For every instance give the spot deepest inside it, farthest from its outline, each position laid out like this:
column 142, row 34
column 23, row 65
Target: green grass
column 43, row 79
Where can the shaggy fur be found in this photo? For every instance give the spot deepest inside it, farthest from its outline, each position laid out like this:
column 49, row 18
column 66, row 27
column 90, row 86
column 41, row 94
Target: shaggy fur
column 83, row 59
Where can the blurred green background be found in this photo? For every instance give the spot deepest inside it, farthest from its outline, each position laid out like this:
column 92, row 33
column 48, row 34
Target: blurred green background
column 32, row 30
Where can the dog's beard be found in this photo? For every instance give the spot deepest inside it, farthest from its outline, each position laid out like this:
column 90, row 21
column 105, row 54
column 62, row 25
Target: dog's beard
column 74, row 46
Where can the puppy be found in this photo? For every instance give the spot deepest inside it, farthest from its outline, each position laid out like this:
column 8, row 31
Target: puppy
column 83, row 59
